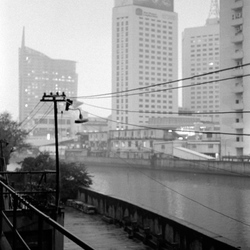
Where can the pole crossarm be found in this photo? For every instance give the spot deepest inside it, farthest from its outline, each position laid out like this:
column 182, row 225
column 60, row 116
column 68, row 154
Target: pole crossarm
column 51, row 97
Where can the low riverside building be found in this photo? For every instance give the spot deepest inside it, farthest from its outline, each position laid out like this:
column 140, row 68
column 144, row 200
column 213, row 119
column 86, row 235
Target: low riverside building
column 161, row 136
column 137, row 143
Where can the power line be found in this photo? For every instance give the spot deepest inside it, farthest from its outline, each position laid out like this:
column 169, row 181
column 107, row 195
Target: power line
column 167, row 89
column 171, row 88
column 28, row 116
column 171, row 113
column 45, row 114
column 175, row 130
column 186, row 197
column 164, row 83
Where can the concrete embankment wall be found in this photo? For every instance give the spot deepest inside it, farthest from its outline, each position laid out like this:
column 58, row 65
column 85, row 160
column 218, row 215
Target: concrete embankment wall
column 173, row 231
column 219, row 167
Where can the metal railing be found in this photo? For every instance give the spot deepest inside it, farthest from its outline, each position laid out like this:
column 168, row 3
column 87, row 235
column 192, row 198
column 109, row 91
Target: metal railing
column 42, row 217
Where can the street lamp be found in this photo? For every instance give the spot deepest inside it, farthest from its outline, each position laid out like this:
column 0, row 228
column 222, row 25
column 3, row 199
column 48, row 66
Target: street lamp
column 80, row 119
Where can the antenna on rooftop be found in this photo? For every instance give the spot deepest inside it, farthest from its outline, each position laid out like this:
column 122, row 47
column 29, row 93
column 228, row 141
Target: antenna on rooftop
column 214, row 12
column 214, row 9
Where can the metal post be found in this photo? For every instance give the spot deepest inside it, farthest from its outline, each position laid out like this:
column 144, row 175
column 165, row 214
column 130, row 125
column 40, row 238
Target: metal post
column 14, row 222
column 1, row 210
column 1, row 190
column 40, row 232
column 57, row 156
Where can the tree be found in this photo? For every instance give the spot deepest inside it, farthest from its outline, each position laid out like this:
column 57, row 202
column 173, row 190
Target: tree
column 72, row 175
column 12, row 136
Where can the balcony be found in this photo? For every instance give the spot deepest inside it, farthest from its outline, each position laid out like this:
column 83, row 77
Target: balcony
column 238, row 106
column 238, row 72
column 238, row 54
column 238, row 125
column 238, row 4
column 237, row 20
column 237, row 38
column 238, row 89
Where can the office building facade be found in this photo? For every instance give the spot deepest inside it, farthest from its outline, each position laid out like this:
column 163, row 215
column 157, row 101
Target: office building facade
column 235, row 93
column 144, row 53
column 39, row 74
column 200, row 55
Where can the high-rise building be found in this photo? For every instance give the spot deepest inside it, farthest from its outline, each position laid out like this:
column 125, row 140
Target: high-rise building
column 144, row 53
column 39, row 74
column 200, row 54
column 235, row 93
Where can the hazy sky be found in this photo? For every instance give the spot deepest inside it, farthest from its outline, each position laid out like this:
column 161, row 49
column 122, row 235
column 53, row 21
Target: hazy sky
column 79, row 30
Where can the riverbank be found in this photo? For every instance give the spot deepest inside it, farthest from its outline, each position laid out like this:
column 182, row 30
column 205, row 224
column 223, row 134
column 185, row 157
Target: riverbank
column 167, row 231
column 195, row 166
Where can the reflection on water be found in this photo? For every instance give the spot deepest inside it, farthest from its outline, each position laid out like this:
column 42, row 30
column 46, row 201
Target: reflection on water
column 220, row 204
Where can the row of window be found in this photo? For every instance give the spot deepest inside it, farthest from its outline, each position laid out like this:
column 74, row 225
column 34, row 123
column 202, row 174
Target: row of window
column 163, row 26
column 154, row 20
column 122, row 23
column 204, row 54
column 154, row 73
column 204, row 107
column 156, row 101
column 154, row 106
column 198, row 49
column 205, row 97
column 204, row 59
column 164, row 32
column 205, row 69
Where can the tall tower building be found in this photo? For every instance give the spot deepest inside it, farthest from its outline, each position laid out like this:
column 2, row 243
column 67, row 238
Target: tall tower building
column 235, row 93
column 200, row 54
column 144, row 53
column 39, row 74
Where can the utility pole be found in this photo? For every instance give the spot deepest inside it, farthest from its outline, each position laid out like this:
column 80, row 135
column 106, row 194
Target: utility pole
column 2, row 169
column 55, row 99
column 2, row 159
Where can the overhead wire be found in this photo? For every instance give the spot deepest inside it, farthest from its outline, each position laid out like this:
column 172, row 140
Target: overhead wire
column 167, row 89
column 50, row 108
column 167, row 129
column 109, row 95
column 171, row 189
column 28, row 116
column 170, row 113
column 184, row 196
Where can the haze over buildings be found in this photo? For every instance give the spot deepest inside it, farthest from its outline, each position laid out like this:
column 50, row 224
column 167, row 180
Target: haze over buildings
column 200, row 55
column 144, row 53
column 39, row 74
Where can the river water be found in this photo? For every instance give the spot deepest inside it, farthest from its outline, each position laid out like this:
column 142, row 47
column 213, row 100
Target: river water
column 217, row 203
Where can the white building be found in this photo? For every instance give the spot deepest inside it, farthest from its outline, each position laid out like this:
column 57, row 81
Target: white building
column 200, row 54
column 144, row 53
column 235, row 93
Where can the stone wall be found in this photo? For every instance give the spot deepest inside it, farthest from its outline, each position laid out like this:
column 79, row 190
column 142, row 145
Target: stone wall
column 219, row 167
column 174, row 232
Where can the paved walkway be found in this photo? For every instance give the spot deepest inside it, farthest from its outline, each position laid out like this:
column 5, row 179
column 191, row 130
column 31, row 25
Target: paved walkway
column 97, row 233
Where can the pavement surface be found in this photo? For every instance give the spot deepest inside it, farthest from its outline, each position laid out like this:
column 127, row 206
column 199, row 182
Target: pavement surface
column 97, row 233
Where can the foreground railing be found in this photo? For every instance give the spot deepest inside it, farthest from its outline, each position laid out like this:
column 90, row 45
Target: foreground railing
column 17, row 201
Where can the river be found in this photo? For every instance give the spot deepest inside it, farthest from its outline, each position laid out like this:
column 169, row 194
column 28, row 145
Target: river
column 217, row 203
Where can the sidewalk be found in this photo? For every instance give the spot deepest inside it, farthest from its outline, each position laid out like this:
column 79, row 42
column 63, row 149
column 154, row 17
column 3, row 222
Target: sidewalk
column 97, row 233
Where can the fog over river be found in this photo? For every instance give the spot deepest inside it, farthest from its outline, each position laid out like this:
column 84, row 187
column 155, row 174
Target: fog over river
column 217, row 203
